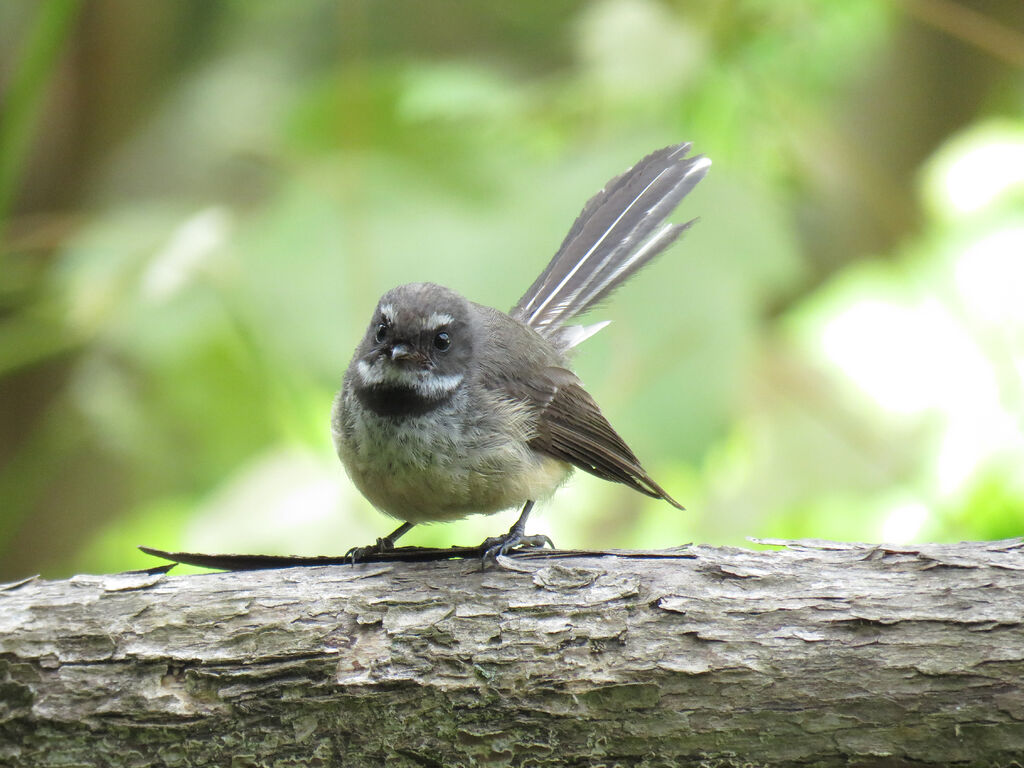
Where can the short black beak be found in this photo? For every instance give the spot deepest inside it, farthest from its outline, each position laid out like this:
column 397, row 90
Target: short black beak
column 401, row 352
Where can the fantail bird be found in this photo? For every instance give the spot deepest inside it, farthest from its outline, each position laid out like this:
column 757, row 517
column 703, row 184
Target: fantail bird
column 450, row 408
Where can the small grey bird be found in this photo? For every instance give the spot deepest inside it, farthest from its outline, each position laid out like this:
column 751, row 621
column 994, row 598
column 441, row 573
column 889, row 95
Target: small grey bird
column 450, row 407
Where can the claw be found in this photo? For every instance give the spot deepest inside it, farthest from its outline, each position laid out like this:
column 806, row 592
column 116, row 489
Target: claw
column 385, row 544
column 356, row 554
column 498, row 546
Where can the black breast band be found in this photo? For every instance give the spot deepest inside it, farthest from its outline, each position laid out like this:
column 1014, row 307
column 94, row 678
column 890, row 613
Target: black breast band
column 397, row 401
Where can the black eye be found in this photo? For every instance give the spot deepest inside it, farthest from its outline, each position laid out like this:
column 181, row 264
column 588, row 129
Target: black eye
column 382, row 331
column 442, row 341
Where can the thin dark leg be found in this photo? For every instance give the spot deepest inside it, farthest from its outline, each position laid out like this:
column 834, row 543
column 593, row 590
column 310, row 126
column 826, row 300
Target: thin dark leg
column 519, row 526
column 385, row 544
column 516, row 537
column 388, row 542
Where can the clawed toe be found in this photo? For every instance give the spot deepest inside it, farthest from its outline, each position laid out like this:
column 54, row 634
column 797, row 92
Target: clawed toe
column 497, row 546
column 356, row 554
column 385, row 544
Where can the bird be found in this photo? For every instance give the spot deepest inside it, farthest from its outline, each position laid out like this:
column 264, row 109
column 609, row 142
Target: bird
column 449, row 407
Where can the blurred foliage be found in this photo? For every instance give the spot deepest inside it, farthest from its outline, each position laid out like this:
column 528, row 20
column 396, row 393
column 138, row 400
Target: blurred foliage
column 201, row 203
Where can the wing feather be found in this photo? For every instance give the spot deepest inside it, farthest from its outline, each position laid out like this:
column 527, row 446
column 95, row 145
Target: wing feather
column 570, row 427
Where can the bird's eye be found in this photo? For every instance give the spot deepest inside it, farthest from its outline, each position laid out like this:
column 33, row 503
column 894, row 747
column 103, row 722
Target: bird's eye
column 442, row 341
column 382, row 330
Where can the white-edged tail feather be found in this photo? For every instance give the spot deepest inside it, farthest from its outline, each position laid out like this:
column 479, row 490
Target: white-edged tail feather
column 618, row 232
column 571, row 335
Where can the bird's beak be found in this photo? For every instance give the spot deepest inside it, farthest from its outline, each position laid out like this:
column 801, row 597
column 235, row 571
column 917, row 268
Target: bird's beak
column 401, row 352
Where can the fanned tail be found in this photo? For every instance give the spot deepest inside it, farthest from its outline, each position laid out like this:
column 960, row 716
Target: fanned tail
column 620, row 230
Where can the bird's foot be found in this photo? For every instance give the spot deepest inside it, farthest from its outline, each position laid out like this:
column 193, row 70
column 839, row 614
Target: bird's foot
column 383, row 544
column 497, row 546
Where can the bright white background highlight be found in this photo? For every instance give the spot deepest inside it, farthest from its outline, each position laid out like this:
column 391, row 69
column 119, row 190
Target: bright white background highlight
column 904, row 522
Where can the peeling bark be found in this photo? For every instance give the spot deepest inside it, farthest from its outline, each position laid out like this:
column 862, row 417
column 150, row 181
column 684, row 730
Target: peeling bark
column 818, row 654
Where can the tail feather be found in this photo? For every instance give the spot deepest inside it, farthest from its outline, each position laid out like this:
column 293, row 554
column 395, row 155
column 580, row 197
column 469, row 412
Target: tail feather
column 619, row 231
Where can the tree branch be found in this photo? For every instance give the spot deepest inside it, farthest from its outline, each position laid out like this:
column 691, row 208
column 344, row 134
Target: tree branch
column 818, row 654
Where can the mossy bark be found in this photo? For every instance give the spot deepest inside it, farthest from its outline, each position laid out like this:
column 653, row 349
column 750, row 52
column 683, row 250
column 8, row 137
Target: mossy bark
column 818, row 654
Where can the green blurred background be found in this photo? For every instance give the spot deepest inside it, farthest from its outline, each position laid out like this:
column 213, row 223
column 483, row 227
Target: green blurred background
column 200, row 203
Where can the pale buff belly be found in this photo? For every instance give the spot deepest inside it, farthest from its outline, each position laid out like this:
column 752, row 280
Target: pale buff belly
column 437, row 467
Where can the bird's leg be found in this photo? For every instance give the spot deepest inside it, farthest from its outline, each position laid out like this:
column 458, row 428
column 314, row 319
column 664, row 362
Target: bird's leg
column 385, row 544
column 516, row 537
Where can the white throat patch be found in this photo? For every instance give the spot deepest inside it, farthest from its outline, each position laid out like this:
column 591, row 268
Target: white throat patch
column 425, row 383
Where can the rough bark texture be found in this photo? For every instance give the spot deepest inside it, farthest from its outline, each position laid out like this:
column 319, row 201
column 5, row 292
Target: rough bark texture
column 818, row 654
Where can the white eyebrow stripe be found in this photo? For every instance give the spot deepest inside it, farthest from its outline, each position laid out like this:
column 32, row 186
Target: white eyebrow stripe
column 437, row 320
column 387, row 312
